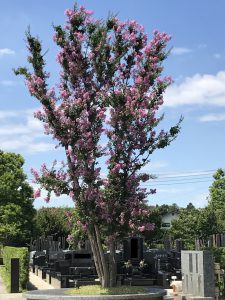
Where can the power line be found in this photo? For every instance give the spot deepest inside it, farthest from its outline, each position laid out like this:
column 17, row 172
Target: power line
column 185, row 174
column 179, row 179
column 174, row 183
column 185, row 177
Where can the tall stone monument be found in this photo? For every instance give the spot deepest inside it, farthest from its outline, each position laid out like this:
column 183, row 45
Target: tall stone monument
column 14, row 276
column 198, row 279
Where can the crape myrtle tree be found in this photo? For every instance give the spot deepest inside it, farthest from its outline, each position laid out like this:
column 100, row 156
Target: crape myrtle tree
column 110, row 86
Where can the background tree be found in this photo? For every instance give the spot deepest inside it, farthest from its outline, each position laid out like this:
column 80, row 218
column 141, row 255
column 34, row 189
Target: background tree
column 208, row 223
column 77, row 235
column 166, row 208
column 53, row 221
column 195, row 223
column 105, row 67
column 154, row 237
column 217, row 190
column 185, row 226
column 190, row 207
column 16, row 201
column 220, row 219
column 201, row 223
column 215, row 211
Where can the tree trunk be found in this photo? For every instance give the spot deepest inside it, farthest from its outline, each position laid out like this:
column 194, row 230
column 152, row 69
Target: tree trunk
column 112, row 264
column 106, row 281
column 98, row 255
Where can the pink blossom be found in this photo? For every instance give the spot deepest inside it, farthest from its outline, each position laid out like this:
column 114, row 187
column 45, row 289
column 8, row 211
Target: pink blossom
column 69, row 238
column 35, row 174
column 37, row 193
column 150, row 226
column 141, row 228
column 86, row 96
column 71, row 194
column 69, row 13
column 138, row 80
column 88, row 11
column 143, row 113
column 78, row 101
column 47, row 199
column 116, row 168
column 144, row 177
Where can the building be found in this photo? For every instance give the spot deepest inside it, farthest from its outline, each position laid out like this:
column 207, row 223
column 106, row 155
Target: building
column 167, row 219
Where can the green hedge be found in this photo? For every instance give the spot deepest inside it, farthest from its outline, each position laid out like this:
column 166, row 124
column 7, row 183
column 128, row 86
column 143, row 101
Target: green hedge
column 1, row 250
column 23, row 255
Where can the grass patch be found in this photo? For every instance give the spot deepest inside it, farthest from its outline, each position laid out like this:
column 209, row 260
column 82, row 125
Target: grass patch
column 98, row 290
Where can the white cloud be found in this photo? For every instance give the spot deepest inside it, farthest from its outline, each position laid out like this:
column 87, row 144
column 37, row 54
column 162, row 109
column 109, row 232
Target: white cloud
column 40, row 147
column 34, row 124
column 154, row 165
column 7, row 82
column 217, row 55
column 6, row 51
column 20, row 132
column 4, row 114
column 180, row 50
column 11, row 129
column 216, row 117
column 199, row 89
column 25, row 144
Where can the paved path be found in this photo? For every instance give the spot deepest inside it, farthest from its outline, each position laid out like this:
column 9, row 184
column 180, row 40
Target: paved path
column 6, row 296
column 34, row 283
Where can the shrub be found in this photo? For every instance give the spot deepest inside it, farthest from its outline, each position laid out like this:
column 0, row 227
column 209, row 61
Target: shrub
column 219, row 255
column 22, row 254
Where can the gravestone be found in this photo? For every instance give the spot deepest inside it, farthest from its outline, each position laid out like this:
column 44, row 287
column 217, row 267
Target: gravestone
column 197, row 245
column 218, row 240
column 133, row 248
column 197, row 275
column 222, row 240
column 14, row 276
column 167, row 242
column 179, row 244
column 210, row 241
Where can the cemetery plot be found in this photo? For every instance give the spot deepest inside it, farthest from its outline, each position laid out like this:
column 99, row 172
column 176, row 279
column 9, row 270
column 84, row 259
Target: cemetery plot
column 136, row 265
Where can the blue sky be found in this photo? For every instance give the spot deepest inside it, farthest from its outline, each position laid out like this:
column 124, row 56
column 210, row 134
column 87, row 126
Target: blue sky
column 196, row 63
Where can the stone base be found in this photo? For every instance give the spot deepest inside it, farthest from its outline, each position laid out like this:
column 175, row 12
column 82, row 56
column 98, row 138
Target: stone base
column 200, row 298
column 181, row 296
column 139, row 281
column 59, row 294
